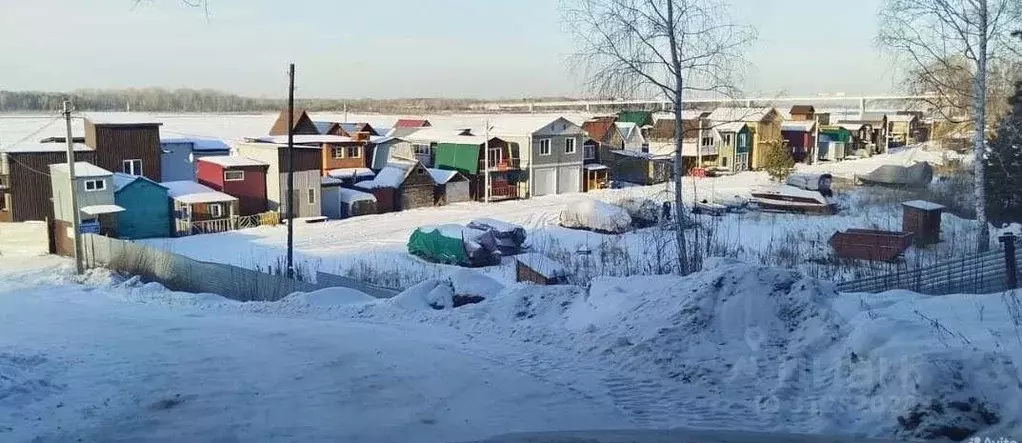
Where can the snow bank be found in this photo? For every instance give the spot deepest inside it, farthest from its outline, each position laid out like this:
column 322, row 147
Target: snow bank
column 595, row 215
column 467, row 282
column 328, row 297
column 430, row 294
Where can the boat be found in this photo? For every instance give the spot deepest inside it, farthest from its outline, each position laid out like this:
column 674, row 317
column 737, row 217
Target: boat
column 918, row 175
column 807, row 193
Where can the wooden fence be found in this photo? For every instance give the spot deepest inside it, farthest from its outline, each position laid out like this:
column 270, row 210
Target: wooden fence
column 990, row 272
column 233, row 223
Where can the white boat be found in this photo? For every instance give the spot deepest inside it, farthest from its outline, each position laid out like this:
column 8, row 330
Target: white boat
column 801, row 193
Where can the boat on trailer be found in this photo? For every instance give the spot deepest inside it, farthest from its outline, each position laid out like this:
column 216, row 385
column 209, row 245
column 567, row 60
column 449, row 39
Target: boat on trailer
column 806, row 193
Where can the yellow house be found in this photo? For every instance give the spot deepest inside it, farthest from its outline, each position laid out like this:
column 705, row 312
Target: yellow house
column 764, row 125
column 905, row 128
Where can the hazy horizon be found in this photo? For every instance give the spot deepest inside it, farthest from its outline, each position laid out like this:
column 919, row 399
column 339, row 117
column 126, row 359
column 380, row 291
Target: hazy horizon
column 454, row 49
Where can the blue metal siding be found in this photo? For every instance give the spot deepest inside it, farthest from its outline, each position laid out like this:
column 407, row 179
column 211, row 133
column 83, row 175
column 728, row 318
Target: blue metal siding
column 146, row 210
column 176, row 163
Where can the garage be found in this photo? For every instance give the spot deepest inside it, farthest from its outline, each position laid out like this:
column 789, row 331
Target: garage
column 569, row 179
column 545, row 181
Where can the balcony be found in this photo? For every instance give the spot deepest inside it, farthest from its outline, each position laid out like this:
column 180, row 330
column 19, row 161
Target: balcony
column 500, row 165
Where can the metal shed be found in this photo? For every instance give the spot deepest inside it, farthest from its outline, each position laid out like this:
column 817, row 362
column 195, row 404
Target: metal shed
column 922, row 218
column 451, row 187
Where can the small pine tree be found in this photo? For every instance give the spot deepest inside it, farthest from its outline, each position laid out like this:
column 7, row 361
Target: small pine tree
column 1004, row 167
column 777, row 160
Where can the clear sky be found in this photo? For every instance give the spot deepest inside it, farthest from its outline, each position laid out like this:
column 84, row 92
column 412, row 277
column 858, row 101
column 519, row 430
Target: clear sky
column 392, row 48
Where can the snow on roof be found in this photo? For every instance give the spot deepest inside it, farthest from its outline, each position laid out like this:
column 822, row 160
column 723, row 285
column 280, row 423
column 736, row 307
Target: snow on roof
column 686, row 114
column 330, row 181
column 411, row 123
column 739, row 114
column 627, row 129
column 82, row 169
column 851, row 126
column 43, row 147
column 121, row 180
column 445, row 135
column 441, row 176
column 231, row 161
column 924, row 205
column 351, row 172
column 595, row 167
column 199, row 143
column 803, row 126
column 323, row 127
column 101, row 209
column 304, row 139
column 901, row 118
column 542, row 264
column 524, row 124
column 728, row 126
column 391, row 176
column 191, row 193
column 119, row 119
column 351, row 195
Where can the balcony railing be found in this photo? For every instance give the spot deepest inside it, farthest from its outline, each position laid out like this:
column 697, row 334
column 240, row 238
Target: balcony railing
column 501, row 164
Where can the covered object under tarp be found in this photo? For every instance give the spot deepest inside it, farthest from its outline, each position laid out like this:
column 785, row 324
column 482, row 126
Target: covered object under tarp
column 919, row 175
column 454, row 245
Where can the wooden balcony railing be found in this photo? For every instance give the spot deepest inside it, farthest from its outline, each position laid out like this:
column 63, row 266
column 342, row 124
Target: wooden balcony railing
column 501, row 165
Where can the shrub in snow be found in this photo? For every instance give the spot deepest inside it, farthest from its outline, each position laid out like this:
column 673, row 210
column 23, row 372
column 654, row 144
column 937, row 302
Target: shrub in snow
column 596, row 216
column 643, row 211
column 777, row 160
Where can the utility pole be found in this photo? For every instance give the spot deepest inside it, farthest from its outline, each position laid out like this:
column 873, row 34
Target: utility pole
column 486, row 163
column 292, row 195
column 75, row 217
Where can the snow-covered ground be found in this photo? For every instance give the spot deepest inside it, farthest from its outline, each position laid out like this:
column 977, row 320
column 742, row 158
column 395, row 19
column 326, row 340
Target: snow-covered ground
column 733, row 347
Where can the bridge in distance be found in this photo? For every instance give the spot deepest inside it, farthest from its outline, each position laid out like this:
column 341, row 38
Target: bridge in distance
column 863, row 102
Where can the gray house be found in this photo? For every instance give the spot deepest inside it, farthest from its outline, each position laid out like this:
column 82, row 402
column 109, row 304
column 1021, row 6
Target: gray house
column 95, row 189
column 178, row 156
column 307, row 176
column 551, row 152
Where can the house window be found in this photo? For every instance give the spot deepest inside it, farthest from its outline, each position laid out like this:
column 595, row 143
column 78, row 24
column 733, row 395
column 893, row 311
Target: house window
column 544, row 147
column 216, row 211
column 132, row 167
column 708, row 141
column 421, row 149
column 569, row 146
column 354, row 152
column 496, row 156
column 312, row 196
column 589, row 152
column 94, row 185
column 727, row 139
column 234, row 176
column 338, row 152
column 742, row 161
column 741, row 140
column 723, row 162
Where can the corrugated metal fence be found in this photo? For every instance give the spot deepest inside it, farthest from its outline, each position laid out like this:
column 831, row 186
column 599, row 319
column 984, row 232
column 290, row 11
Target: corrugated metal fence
column 181, row 273
column 977, row 274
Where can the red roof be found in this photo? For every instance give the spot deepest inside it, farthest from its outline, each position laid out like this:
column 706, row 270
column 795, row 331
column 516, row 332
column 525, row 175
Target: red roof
column 599, row 129
column 412, row 123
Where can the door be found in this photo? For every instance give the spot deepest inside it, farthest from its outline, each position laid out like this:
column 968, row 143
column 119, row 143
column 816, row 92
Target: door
column 545, row 181
column 569, row 179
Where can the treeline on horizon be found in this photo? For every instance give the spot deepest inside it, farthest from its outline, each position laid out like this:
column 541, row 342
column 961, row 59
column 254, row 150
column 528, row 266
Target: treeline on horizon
column 207, row 100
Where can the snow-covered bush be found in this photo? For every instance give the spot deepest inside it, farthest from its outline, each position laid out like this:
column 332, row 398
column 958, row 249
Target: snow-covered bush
column 595, row 215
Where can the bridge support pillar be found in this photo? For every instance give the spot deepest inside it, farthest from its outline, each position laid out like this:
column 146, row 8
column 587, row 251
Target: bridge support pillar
column 531, row 108
column 862, row 107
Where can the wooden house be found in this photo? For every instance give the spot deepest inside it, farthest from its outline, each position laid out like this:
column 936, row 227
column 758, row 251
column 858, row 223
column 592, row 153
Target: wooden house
column 146, row 209
column 24, row 192
column 733, row 153
column 800, row 136
column 198, row 209
column 412, row 123
column 468, row 156
column 905, row 128
column 664, row 125
column 308, row 173
column 595, row 176
column 639, row 167
column 410, row 183
column 601, row 131
column 859, row 135
column 179, row 155
column 451, row 187
column 96, row 209
column 341, row 202
column 764, row 126
column 301, row 124
column 239, row 177
column 551, row 152
column 539, row 269
column 874, row 132
column 802, row 113
column 631, row 137
column 132, row 148
column 327, row 128
column 359, row 130
column 423, row 143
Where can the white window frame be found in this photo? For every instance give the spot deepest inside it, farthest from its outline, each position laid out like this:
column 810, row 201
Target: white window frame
column 338, row 153
column 727, row 139
column 588, row 152
column 215, row 210
column 569, row 146
column 742, row 138
column 97, row 185
column 311, row 196
column 356, row 149
column 128, row 166
column 241, row 179
column 496, row 156
column 544, row 145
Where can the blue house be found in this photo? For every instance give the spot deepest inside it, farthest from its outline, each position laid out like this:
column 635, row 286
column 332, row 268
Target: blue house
column 177, row 161
column 146, row 207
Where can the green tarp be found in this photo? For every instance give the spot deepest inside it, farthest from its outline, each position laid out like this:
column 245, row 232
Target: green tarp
column 435, row 247
column 458, row 157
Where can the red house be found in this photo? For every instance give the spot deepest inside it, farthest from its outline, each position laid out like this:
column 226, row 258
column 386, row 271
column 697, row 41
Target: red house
column 800, row 136
column 239, row 177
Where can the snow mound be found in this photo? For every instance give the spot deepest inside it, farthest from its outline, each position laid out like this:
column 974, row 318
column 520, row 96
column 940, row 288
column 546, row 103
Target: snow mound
column 467, row 282
column 430, row 294
column 595, row 215
column 328, row 297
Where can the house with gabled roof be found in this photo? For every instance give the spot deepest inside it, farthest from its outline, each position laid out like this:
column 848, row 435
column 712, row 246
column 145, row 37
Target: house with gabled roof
column 801, row 138
column 146, row 209
column 412, row 123
column 400, row 186
column 96, row 209
column 764, row 126
column 551, row 151
column 301, row 123
column 801, row 113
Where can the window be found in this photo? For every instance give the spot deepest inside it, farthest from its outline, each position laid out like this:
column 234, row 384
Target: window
column 741, row 140
column 132, row 167
column 708, row 141
column 338, row 152
column 569, row 146
column 421, row 149
column 5, row 201
column 94, row 185
column 354, row 152
column 234, row 176
column 544, row 147
column 727, row 139
column 216, row 211
column 723, row 162
column 312, row 196
column 742, row 161
column 589, row 152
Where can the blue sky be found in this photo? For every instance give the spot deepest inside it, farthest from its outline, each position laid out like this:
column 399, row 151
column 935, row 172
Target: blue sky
column 392, row 48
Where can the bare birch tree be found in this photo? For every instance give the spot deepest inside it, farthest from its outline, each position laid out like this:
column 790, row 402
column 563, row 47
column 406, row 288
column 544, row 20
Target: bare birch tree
column 930, row 36
column 663, row 48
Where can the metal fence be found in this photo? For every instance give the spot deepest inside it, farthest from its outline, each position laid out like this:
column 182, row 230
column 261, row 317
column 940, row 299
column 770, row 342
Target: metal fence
column 180, row 273
column 990, row 272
